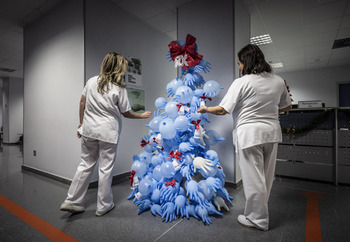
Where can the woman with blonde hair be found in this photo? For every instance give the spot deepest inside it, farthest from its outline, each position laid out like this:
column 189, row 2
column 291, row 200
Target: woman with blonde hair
column 103, row 103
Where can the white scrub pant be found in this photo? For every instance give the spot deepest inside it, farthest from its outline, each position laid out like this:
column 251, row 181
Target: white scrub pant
column 92, row 151
column 257, row 165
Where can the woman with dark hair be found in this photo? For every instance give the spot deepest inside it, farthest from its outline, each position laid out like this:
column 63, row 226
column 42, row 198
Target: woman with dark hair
column 255, row 100
column 103, row 103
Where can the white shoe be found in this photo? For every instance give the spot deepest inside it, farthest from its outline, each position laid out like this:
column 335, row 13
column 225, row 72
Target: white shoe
column 72, row 208
column 99, row 214
column 244, row 221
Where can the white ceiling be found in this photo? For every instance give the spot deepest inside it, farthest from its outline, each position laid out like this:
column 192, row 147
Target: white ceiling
column 302, row 31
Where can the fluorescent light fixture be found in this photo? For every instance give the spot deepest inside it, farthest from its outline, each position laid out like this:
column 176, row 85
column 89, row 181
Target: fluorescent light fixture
column 261, row 40
column 277, row 65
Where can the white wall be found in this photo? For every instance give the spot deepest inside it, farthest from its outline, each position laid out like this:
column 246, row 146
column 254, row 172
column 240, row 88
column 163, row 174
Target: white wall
column 241, row 39
column 12, row 109
column 54, row 78
column 116, row 30
column 317, row 84
column 213, row 24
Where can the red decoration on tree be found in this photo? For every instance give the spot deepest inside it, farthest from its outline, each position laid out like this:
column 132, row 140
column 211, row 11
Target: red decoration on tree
column 188, row 53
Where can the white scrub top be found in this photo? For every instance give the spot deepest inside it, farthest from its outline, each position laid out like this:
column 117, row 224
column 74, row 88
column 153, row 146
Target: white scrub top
column 103, row 112
column 254, row 101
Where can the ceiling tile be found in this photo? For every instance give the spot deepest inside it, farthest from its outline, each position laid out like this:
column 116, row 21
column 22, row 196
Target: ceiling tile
column 257, row 26
column 275, row 8
column 327, row 45
column 289, row 25
column 142, row 9
column 318, row 53
column 321, row 27
column 343, row 33
column 347, row 11
column 173, row 3
column 315, row 3
column 341, row 53
column 295, row 66
column 164, row 22
column 338, row 62
column 324, row 12
column 315, row 60
column 320, row 37
column 317, row 65
column 346, row 22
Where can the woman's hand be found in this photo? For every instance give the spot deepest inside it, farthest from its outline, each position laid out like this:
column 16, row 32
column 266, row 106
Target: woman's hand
column 146, row 114
column 78, row 134
column 202, row 109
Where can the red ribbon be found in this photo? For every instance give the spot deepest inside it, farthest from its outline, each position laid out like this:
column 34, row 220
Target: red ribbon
column 144, row 143
column 204, row 97
column 196, row 123
column 175, row 155
column 193, row 58
column 178, row 107
column 170, row 183
column 131, row 178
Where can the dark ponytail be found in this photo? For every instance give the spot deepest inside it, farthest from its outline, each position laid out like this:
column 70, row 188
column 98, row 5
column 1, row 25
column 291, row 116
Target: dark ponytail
column 253, row 60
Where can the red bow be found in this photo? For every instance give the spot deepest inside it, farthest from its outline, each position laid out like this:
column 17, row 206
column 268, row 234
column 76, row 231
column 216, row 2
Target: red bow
column 144, row 143
column 204, row 97
column 175, row 155
column 131, row 178
column 154, row 140
column 178, row 107
column 196, row 123
column 193, row 58
column 170, row 183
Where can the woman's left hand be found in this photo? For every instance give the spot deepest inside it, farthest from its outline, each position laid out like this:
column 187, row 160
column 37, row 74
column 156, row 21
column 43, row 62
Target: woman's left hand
column 78, row 134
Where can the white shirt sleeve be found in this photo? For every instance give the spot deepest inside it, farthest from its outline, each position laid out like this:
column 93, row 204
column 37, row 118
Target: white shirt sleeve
column 232, row 97
column 285, row 98
column 123, row 101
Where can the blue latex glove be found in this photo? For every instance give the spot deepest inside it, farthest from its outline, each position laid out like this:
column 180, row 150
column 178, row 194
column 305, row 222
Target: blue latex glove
column 189, row 80
column 168, row 212
column 191, row 211
column 198, row 79
column 186, row 172
column 211, row 208
column 155, row 196
column 182, row 192
column 203, row 213
column 144, row 205
column 203, row 65
column 224, row 194
column 134, row 191
column 168, row 193
column 168, row 57
column 185, row 147
column 156, row 209
column 213, row 184
column 192, row 189
column 180, row 205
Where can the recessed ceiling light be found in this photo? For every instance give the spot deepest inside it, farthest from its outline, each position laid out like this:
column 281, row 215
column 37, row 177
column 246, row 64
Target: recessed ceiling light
column 261, row 40
column 277, row 65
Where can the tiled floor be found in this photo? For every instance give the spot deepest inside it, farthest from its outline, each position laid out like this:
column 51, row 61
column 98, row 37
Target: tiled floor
column 42, row 197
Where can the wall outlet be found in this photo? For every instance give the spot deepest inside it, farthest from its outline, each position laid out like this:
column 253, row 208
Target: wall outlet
column 34, row 152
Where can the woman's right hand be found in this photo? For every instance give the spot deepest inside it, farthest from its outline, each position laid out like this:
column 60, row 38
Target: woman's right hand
column 146, row 114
